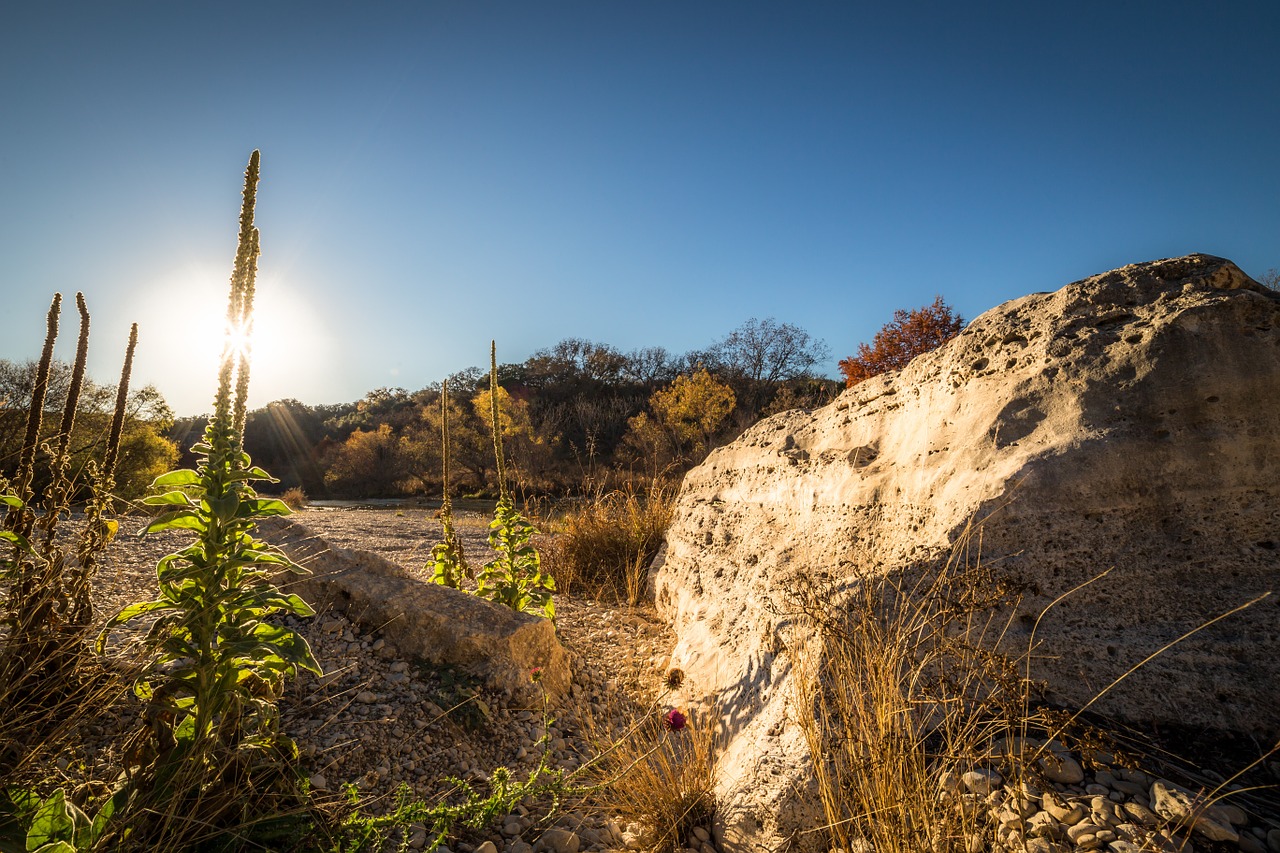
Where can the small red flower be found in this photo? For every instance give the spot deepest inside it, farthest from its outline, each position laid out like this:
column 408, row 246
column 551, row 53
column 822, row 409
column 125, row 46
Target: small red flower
column 535, row 674
column 675, row 720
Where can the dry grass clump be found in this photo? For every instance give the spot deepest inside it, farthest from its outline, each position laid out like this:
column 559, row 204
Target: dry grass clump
column 607, row 543
column 294, row 498
column 900, row 692
column 658, row 776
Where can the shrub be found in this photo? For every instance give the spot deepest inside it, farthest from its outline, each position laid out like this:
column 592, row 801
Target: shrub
column 607, row 543
column 294, row 498
column 907, row 336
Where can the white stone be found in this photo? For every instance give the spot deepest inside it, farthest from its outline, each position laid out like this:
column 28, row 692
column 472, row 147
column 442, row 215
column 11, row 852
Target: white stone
column 426, row 620
column 982, row 781
column 1141, row 814
column 559, row 840
column 1075, row 833
column 1178, row 805
column 1061, row 768
column 1126, row 421
column 1122, row 846
column 1042, row 825
column 1065, row 813
column 1233, row 813
column 1249, row 844
column 1043, row 845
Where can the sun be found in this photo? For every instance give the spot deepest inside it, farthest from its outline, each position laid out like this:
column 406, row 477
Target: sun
column 237, row 341
column 183, row 328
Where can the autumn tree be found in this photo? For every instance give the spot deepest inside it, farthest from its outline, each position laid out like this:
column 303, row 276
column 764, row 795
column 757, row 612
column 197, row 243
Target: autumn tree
column 685, row 418
column 369, row 463
column 470, row 446
column 526, row 447
column 894, row 346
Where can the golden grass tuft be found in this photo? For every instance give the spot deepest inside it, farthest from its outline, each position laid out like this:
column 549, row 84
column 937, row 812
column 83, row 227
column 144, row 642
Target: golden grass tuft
column 898, row 691
column 294, row 498
column 606, row 544
column 657, row 780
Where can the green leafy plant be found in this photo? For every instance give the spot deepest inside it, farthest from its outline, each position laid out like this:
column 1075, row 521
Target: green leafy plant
column 55, row 824
column 221, row 664
column 515, row 578
column 448, row 562
column 462, row 805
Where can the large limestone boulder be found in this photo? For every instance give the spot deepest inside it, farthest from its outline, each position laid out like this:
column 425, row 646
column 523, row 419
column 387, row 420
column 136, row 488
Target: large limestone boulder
column 422, row 619
column 1130, row 421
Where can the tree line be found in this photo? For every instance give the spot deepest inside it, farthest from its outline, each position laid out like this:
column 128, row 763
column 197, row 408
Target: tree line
column 146, row 448
column 573, row 413
column 579, row 413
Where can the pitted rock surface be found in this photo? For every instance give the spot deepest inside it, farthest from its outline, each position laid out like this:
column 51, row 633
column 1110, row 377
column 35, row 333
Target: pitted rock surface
column 1125, row 422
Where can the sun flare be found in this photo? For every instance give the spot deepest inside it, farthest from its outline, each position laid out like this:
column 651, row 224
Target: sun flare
column 186, row 319
column 237, row 341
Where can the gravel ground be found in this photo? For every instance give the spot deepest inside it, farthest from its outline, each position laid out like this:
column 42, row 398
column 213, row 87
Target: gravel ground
column 379, row 721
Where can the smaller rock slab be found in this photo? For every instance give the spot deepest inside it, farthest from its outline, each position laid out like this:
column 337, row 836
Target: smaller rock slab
column 424, row 620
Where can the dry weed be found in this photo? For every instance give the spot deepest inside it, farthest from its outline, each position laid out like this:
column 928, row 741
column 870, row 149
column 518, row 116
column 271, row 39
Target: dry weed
column 607, row 543
column 898, row 691
column 658, row 776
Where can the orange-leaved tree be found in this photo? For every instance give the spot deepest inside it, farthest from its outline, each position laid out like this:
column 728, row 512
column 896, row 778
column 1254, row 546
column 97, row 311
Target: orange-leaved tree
column 910, row 334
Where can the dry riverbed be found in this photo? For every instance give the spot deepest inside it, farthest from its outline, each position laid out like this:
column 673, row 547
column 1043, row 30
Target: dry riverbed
column 379, row 720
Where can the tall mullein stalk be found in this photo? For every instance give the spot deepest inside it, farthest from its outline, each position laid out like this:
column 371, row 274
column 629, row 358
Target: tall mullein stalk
column 58, row 494
column 448, row 561
column 503, row 494
column 27, row 602
column 446, row 505
column 98, row 531
column 40, row 653
column 221, row 660
column 21, row 520
column 122, row 397
column 515, row 578
column 248, row 290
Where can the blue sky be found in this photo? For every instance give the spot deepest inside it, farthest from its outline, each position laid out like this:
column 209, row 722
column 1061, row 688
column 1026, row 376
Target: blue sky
column 436, row 174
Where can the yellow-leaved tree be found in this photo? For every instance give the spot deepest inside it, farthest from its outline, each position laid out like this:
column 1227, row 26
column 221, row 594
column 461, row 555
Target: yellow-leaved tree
column 527, row 450
column 686, row 416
